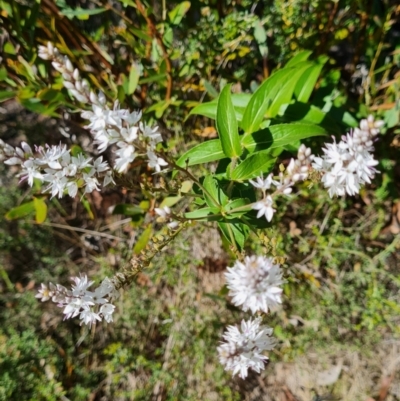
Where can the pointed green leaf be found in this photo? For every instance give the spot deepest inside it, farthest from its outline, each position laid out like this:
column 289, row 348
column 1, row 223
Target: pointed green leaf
column 41, row 210
column 201, row 213
column 143, row 240
column 215, row 194
column 176, row 15
column 280, row 135
column 261, row 100
column 205, row 152
column 298, row 58
column 253, row 166
column 133, row 79
column 209, row 109
column 20, row 211
column 227, row 125
column 285, row 93
column 239, row 232
column 306, row 113
column 307, row 81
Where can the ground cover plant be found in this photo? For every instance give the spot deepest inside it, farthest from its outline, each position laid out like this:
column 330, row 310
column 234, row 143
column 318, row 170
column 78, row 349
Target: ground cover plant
column 310, row 251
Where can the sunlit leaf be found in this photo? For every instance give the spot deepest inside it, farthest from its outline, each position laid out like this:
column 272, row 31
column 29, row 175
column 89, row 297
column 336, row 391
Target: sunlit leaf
column 227, row 125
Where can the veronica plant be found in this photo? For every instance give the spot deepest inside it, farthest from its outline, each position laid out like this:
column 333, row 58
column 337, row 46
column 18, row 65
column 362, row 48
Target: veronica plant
column 239, row 196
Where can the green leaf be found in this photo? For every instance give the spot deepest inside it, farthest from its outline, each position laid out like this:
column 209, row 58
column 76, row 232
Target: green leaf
column 128, row 210
column 153, row 78
column 215, row 194
column 80, row 13
column 133, row 79
column 307, row 81
column 285, row 92
column 298, row 58
column 280, row 135
column 176, row 15
column 20, row 211
column 143, row 240
column 205, row 152
column 41, row 210
column 227, row 125
column 209, row 109
column 236, row 204
column 239, row 231
column 202, row 213
column 261, row 100
column 210, row 89
column 4, row 95
column 253, row 166
column 311, row 114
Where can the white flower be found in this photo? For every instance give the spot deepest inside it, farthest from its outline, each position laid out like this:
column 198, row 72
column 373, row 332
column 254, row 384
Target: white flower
column 81, row 285
column 155, row 162
column 90, row 306
column 89, row 317
column 107, row 311
column 126, row 155
column 264, row 207
column 46, row 293
column 243, row 347
column 254, row 284
column 99, row 166
column 91, row 183
column 262, row 183
column 164, row 212
column 151, row 133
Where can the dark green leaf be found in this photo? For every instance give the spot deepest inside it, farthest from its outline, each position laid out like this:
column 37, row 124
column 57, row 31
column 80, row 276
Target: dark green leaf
column 215, row 194
column 253, row 166
column 227, row 125
column 128, row 210
column 280, row 135
column 239, row 232
column 311, row 114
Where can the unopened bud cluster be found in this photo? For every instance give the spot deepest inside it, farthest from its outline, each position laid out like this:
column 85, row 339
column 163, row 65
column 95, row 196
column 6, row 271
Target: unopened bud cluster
column 78, row 87
column 55, row 166
column 90, row 306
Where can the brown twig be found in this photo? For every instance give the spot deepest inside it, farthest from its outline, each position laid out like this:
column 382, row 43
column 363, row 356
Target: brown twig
column 155, row 34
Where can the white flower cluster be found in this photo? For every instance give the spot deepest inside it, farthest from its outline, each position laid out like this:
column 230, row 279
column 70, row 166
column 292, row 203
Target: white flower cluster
column 349, row 164
column 91, row 306
column 121, row 127
column 54, row 165
column 297, row 170
column 254, row 284
column 117, row 126
column 243, row 347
